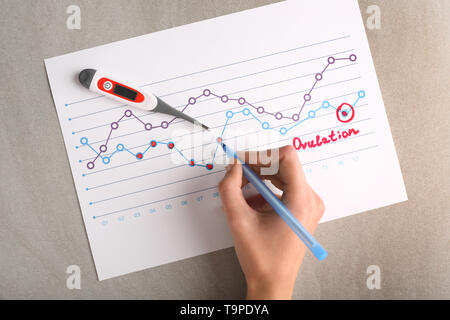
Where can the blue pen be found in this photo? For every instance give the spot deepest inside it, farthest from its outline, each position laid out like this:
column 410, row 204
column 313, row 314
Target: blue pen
column 315, row 247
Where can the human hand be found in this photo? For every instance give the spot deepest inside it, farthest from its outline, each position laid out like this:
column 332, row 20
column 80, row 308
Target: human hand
column 269, row 252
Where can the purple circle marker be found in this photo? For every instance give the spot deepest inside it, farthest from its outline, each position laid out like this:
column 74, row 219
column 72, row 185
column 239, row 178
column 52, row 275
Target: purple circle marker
column 206, row 92
column 241, row 101
column 295, row 117
column 224, row 99
column 192, row 100
column 352, row 57
column 103, row 148
column 164, row 124
column 331, row 60
column 260, row 109
column 278, row 116
column 307, row 97
column 114, row 125
column 319, row 76
column 128, row 113
column 90, row 165
column 148, row 126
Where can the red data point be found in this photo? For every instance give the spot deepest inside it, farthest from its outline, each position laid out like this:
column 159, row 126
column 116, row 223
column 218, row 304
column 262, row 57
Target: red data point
column 349, row 111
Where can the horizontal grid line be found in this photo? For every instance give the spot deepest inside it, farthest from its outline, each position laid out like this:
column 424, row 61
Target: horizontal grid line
column 240, row 121
column 224, row 66
column 270, row 99
column 150, row 158
column 215, row 187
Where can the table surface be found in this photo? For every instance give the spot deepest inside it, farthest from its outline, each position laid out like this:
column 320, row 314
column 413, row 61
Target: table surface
column 42, row 231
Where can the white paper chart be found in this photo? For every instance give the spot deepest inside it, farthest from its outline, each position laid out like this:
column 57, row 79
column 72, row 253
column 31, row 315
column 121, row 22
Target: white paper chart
column 300, row 72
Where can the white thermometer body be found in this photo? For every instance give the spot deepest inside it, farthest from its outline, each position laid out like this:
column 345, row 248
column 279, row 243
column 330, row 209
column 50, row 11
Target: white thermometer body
column 117, row 90
column 96, row 81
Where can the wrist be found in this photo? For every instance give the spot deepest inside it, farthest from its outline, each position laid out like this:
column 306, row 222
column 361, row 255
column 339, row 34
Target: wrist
column 269, row 290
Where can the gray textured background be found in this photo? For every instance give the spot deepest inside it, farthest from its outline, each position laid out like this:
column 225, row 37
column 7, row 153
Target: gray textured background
column 42, row 230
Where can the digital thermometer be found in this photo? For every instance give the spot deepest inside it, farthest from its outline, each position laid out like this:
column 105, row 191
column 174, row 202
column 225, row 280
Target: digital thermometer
column 98, row 82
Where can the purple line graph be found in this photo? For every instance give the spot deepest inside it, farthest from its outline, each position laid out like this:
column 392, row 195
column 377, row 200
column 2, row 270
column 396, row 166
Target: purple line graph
column 260, row 110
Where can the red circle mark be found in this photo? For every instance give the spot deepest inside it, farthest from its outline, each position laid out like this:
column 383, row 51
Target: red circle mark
column 192, row 163
column 219, row 140
column 139, row 155
column 338, row 113
column 209, row 166
column 153, row 143
column 171, row 145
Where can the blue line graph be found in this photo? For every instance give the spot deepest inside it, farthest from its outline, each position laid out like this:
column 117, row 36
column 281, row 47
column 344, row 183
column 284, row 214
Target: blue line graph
column 229, row 115
column 250, row 110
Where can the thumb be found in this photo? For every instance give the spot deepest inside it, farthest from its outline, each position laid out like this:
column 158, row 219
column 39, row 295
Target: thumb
column 233, row 200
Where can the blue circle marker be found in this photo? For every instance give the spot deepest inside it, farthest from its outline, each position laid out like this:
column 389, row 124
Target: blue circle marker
column 70, row 119
column 87, row 189
column 90, row 203
column 66, row 105
column 229, row 114
column 325, row 104
column 361, row 94
column 265, row 125
column 120, row 147
column 283, row 131
column 84, row 140
column 106, row 160
column 246, row 111
column 94, row 217
column 311, row 114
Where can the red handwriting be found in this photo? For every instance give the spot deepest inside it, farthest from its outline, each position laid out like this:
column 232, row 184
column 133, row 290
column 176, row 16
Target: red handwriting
column 319, row 140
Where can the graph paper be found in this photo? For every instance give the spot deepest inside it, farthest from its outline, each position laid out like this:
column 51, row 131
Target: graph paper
column 296, row 72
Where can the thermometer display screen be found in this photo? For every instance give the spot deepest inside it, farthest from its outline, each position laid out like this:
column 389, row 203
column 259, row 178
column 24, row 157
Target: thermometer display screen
column 125, row 92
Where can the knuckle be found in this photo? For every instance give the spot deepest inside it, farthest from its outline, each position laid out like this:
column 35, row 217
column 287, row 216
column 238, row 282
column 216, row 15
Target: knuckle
column 223, row 185
column 314, row 205
column 320, row 205
column 288, row 151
